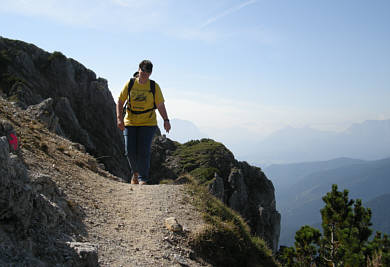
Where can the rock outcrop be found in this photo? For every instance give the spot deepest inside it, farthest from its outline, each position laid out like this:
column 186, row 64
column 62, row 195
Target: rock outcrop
column 239, row 185
column 34, row 215
column 65, row 96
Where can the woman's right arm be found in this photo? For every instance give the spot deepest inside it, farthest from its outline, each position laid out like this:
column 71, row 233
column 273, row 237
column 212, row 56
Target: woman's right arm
column 119, row 115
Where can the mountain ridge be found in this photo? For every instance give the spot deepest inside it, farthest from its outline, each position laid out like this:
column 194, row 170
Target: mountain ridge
column 369, row 140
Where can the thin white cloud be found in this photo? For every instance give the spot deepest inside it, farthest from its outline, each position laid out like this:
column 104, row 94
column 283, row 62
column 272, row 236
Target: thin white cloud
column 227, row 12
column 129, row 16
column 118, row 15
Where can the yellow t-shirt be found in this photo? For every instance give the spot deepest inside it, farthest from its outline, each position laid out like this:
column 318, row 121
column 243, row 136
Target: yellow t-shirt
column 141, row 99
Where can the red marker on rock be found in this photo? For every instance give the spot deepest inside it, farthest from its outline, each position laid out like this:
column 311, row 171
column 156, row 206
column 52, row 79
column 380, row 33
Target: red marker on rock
column 13, row 141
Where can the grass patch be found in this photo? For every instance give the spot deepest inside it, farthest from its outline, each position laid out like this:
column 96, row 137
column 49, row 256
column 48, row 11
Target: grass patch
column 167, row 181
column 226, row 239
column 204, row 174
column 200, row 153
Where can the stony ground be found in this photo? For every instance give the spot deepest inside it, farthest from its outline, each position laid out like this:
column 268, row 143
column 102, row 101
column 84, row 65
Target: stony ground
column 131, row 231
column 126, row 222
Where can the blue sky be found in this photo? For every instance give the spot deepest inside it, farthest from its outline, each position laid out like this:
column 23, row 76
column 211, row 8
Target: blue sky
column 237, row 69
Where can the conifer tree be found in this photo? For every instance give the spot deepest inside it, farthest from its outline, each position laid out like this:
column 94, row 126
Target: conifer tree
column 307, row 241
column 344, row 241
column 287, row 257
column 378, row 251
column 346, row 229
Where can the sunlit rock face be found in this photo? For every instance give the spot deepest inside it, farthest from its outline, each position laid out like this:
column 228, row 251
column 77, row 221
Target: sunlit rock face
column 81, row 107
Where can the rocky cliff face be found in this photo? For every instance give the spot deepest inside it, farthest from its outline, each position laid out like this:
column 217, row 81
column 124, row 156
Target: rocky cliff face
column 66, row 96
column 240, row 186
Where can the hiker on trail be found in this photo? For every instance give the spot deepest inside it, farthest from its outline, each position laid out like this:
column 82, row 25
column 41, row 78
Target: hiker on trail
column 140, row 123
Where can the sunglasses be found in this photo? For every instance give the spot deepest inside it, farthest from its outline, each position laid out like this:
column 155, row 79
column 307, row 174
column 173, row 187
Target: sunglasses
column 145, row 70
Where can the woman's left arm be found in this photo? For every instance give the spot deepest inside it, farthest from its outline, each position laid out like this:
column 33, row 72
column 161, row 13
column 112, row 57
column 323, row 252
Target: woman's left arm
column 163, row 112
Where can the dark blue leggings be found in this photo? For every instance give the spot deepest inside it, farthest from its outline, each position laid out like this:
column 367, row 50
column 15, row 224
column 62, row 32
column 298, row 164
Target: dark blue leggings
column 138, row 142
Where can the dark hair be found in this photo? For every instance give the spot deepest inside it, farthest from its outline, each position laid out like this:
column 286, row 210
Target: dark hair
column 146, row 65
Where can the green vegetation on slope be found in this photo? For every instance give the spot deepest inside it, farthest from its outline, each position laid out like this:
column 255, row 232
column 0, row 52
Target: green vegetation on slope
column 203, row 158
column 226, row 240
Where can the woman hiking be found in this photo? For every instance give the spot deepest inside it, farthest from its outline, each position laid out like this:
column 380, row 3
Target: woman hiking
column 140, row 123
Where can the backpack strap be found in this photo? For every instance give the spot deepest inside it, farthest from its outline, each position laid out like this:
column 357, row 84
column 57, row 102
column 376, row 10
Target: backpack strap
column 153, row 90
column 131, row 83
column 127, row 103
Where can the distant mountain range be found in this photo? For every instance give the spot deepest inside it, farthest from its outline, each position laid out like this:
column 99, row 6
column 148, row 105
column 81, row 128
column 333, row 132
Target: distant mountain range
column 299, row 189
column 369, row 140
column 380, row 218
column 183, row 131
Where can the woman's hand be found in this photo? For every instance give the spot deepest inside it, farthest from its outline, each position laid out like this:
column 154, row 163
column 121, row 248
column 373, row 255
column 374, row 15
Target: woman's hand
column 167, row 125
column 120, row 124
column 163, row 112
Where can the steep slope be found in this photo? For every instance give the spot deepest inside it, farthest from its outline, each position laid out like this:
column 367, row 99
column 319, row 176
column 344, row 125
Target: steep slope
column 81, row 107
column 72, row 200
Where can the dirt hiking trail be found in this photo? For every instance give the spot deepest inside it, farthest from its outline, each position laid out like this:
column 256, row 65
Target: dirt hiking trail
column 126, row 222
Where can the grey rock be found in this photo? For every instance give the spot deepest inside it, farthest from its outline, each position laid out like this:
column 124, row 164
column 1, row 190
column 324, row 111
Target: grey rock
column 71, row 125
column 239, row 198
column 87, row 252
column 23, row 96
column 33, row 215
column 4, row 149
column 173, row 225
column 7, row 130
column 44, row 112
column 217, row 188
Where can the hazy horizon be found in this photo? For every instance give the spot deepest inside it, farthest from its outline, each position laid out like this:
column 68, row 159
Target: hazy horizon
column 369, row 140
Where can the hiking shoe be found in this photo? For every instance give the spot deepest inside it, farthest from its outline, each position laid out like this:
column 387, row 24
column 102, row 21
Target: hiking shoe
column 134, row 179
column 143, row 183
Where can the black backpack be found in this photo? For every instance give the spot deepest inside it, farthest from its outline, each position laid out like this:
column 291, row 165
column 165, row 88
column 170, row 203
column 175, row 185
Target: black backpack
column 128, row 104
